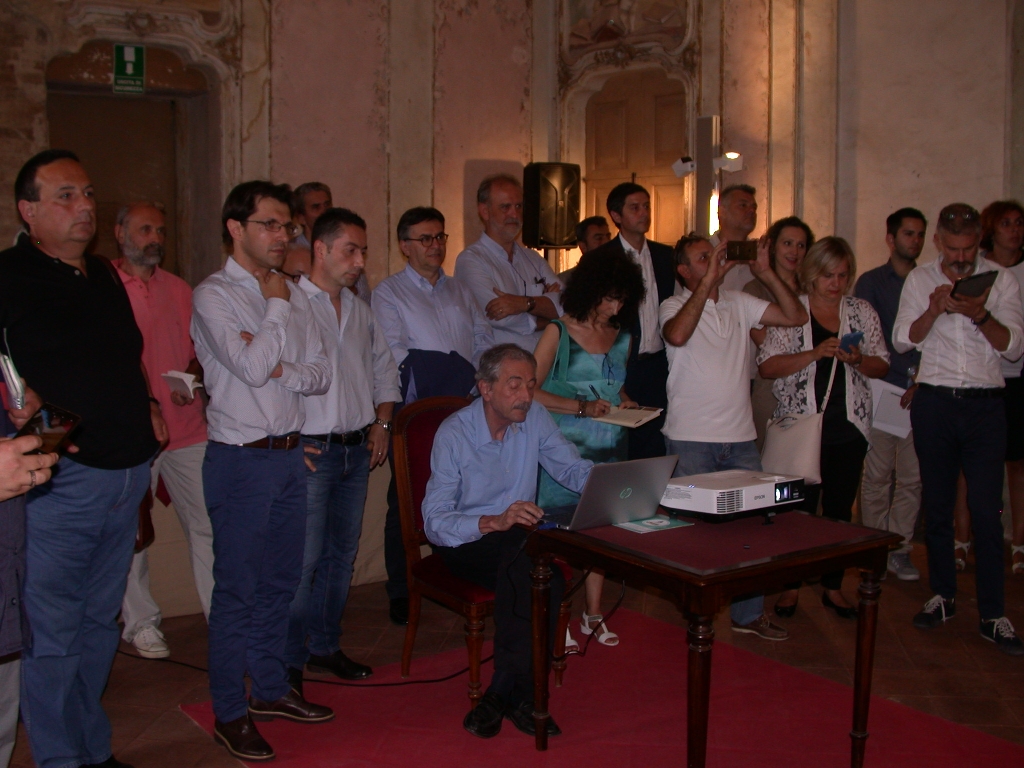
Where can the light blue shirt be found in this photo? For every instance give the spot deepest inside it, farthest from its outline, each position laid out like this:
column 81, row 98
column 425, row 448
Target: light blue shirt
column 246, row 404
column 484, row 266
column 444, row 317
column 472, row 475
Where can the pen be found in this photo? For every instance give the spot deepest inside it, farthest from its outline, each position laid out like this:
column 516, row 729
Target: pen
column 594, row 390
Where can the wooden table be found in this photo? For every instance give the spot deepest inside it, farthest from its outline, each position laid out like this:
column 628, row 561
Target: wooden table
column 706, row 565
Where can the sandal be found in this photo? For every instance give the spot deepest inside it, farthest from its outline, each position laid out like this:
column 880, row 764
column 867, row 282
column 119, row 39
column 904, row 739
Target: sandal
column 1017, row 553
column 595, row 623
column 960, row 560
column 571, row 646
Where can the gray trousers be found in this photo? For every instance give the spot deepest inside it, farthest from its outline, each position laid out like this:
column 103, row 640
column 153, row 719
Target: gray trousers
column 10, row 687
column 890, row 490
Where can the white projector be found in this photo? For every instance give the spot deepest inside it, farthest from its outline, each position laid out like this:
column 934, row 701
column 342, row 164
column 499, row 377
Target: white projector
column 732, row 493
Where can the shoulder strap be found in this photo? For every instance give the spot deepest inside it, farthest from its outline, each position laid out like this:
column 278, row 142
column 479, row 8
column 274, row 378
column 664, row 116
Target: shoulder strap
column 835, row 364
column 560, row 366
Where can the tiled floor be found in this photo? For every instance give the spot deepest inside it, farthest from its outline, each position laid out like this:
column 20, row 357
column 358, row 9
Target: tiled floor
column 949, row 672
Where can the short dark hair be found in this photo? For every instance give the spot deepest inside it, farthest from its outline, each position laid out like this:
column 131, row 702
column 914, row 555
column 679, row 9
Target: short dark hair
column 491, row 360
column 684, row 242
column 959, row 219
column 483, row 192
column 992, row 214
column 895, row 219
column 328, row 226
column 735, row 188
column 616, row 200
column 587, row 223
column 417, row 215
column 604, row 273
column 25, row 187
column 775, row 231
column 300, row 192
column 241, row 202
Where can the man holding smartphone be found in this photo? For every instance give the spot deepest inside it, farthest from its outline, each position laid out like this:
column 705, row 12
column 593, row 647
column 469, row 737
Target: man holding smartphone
column 73, row 338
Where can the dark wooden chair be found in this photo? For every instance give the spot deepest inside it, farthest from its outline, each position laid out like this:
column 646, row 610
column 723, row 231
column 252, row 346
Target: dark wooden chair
column 415, row 426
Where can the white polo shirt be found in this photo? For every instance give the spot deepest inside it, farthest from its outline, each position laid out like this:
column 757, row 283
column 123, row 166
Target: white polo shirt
column 708, row 377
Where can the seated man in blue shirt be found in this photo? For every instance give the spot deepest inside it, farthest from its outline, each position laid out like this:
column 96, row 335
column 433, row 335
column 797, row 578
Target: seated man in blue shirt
column 483, row 483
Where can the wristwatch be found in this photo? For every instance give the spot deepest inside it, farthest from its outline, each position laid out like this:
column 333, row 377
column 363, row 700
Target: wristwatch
column 386, row 425
column 530, row 303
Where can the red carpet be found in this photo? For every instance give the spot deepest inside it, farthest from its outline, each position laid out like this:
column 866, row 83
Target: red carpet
column 626, row 707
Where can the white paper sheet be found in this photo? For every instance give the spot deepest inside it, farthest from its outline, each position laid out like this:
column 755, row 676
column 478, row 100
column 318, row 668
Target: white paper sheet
column 889, row 415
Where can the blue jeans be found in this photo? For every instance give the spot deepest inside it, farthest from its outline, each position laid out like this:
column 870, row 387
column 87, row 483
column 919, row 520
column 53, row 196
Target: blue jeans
column 80, row 533
column 257, row 503
column 701, row 458
column 335, row 496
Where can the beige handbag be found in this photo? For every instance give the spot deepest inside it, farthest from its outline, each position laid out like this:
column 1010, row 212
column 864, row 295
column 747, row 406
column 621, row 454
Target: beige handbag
column 792, row 444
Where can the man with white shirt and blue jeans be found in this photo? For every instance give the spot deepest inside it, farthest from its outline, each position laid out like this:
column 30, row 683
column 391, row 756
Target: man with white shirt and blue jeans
column 957, row 413
column 709, row 422
column 346, row 434
column 513, row 286
column 261, row 352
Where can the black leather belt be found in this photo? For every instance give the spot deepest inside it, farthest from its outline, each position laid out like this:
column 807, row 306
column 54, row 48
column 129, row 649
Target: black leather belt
column 355, row 437
column 966, row 393
column 272, row 442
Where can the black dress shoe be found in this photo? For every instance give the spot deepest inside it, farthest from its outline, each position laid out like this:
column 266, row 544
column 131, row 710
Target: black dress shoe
column 785, row 611
column 291, row 706
column 841, row 612
column 110, row 762
column 522, row 718
column 339, row 664
column 241, row 739
column 295, row 680
column 484, row 720
column 399, row 611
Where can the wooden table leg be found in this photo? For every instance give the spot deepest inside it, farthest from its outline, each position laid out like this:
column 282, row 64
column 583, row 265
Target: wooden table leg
column 701, row 634
column 867, row 621
column 541, row 591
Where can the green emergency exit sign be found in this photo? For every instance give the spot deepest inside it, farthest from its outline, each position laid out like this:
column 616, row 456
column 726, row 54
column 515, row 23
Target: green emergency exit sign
column 129, row 68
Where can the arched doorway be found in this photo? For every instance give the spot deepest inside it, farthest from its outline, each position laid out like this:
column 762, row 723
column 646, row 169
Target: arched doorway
column 162, row 145
column 637, row 125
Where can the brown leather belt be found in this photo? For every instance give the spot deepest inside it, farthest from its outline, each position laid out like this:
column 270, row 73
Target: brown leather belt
column 275, row 443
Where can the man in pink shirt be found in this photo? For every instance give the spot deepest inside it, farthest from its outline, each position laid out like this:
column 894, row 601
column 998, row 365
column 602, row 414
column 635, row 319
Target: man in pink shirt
column 162, row 304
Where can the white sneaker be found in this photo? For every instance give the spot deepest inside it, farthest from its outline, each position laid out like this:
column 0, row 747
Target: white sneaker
column 899, row 563
column 149, row 642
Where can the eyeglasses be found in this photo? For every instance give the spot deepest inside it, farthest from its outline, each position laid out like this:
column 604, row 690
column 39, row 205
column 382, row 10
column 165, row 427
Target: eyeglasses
column 273, row 226
column 964, row 214
column 427, row 240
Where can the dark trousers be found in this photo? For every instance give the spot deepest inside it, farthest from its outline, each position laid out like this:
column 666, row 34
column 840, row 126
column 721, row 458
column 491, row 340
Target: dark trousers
column 257, row 503
column 397, row 585
column 951, row 435
column 497, row 562
column 646, row 381
column 841, row 466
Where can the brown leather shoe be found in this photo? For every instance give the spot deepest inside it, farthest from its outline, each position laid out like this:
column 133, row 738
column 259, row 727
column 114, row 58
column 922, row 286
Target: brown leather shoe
column 291, row 706
column 241, row 739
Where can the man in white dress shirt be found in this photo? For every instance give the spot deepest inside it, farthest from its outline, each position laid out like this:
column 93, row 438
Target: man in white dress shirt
column 261, row 352
column 957, row 413
column 346, row 434
column 513, row 286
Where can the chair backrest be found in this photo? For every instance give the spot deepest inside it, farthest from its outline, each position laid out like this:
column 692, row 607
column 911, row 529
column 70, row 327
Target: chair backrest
column 415, row 426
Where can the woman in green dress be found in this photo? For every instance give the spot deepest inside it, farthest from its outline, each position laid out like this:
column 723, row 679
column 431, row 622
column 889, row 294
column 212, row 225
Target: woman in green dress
column 581, row 360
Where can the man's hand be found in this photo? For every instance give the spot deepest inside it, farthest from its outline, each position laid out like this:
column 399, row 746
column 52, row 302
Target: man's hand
column 33, row 402
column 938, row 300
column 518, row 513
column 179, row 399
column 247, row 338
column 908, row 397
column 160, row 431
column 377, row 444
column 274, row 285
column 20, row 472
column 505, row 305
column 972, row 307
column 718, row 267
column 762, row 264
column 307, row 451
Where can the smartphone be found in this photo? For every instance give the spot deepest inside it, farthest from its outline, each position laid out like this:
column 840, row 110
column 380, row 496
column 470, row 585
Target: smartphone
column 54, row 425
column 741, row 250
column 851, row 340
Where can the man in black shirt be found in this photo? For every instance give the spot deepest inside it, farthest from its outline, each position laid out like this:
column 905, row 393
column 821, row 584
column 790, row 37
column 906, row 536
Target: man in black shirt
column 69, row 327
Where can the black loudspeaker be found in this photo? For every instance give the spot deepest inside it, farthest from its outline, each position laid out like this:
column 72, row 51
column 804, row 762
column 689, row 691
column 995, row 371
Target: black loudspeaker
column 551, row 204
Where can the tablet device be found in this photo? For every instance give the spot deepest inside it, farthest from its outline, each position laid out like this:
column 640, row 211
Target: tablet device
column 54, row 425
column 975, row 285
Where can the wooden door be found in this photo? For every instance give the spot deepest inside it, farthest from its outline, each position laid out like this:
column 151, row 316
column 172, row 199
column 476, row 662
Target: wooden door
column 637, row 126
